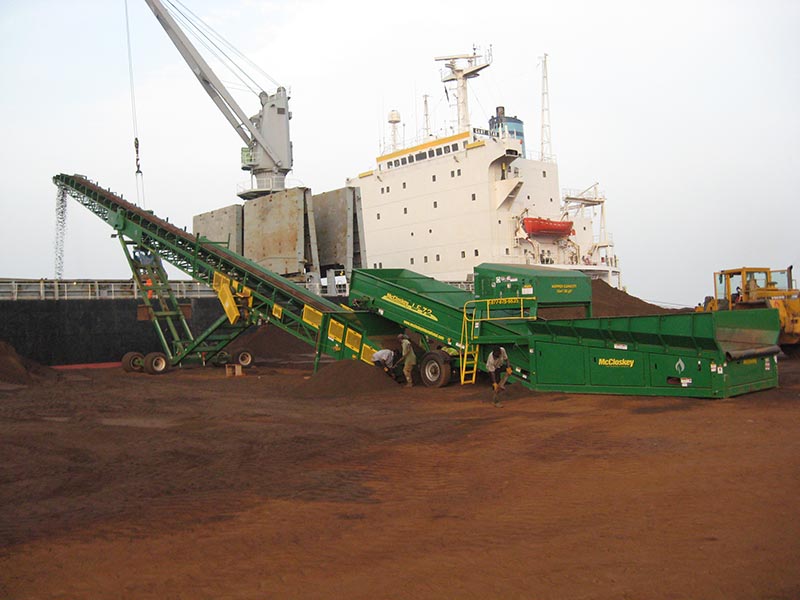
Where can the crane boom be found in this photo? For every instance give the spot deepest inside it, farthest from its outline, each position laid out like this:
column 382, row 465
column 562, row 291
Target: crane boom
column 269, row 163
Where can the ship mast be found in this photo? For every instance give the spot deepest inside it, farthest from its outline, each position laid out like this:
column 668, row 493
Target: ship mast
column 394, row 120
column 426, row 131
column 546, row 148
column 460, row 72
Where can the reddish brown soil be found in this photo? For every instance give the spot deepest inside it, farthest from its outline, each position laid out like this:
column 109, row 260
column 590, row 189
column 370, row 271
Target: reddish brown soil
column 192, row 485
column 18, row 370
column 345, row 485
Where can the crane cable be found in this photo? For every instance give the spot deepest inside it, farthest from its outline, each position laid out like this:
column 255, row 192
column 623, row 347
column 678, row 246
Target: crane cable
column 216, row 44
column 140, row 200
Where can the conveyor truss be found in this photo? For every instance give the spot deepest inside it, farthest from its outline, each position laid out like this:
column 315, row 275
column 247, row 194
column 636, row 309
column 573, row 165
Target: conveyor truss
column 249, row 293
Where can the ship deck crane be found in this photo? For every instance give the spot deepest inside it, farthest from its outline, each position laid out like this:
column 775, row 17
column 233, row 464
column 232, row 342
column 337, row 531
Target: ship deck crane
column 268, row 151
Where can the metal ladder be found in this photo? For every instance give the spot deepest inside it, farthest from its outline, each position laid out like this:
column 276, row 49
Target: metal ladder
column 469, row 351
column 169, row 320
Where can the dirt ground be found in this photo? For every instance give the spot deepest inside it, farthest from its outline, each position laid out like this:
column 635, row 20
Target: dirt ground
column 192, row 485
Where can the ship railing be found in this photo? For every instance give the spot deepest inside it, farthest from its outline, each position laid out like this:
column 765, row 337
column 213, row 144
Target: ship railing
column 606, row 240
column 89, row 289
column 467, row 286
column 119, row 289
column 536, row 155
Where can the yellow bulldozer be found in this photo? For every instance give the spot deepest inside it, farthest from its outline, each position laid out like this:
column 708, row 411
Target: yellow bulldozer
column 751, row 287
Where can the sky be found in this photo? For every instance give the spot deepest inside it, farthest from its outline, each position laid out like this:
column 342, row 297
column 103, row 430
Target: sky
column 685, row 112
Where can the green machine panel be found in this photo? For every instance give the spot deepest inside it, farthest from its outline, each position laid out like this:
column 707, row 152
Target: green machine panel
column 750, row 370
column 549, row 286
column 669, row 371
column 559, row 363
column 613, row 367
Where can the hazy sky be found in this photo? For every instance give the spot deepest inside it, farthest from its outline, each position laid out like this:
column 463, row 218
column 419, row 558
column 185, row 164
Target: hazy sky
column 686, row 113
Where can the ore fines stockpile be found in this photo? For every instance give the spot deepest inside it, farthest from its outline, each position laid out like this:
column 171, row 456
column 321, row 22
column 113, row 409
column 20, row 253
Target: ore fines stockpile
column 17, row 370
column 345, row 378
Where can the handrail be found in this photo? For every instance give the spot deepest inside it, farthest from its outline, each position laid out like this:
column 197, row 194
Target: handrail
column 523, row 303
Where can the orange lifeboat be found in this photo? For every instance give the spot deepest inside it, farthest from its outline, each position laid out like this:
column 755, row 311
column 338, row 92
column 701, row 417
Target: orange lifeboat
column 539, row 226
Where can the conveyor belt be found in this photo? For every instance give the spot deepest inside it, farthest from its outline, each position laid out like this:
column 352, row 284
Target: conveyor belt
column 194, row 255
column 250, row 293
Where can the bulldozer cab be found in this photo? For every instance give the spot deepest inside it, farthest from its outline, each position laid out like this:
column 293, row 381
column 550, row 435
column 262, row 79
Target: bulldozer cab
column 749, row 285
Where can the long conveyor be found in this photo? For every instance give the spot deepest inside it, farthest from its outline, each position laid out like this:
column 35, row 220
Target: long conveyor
column 250, row 293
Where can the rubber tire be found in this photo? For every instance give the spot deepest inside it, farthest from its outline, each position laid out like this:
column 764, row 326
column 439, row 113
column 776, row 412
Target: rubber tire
column 244, row 358
column 220, row 359
column 434, row 369
column 133, row 362
column 156, row 363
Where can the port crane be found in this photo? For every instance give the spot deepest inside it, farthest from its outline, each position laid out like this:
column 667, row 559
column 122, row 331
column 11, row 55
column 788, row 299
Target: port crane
column 268, row 149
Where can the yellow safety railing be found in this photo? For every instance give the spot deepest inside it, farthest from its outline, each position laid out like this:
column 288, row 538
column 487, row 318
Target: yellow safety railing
column 477, row 311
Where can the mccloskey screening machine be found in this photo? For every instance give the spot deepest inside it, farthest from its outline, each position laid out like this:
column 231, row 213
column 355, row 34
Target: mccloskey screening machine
column 707, row 355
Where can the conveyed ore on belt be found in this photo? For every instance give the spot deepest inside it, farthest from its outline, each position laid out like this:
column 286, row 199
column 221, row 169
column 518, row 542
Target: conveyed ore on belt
column 696, row 354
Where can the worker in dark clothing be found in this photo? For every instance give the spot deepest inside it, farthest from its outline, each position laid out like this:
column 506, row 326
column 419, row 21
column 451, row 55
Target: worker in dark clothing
column 499, row 370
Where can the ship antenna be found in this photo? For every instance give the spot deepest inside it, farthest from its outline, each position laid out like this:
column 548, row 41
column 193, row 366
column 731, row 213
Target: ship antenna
column 427, row 121
column 546, row 149
column 394, row 119
column 460, row 73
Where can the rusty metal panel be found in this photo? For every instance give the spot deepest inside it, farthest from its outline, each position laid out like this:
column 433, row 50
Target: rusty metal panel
column 221, row 225
column 333, row 215
column 274, row 231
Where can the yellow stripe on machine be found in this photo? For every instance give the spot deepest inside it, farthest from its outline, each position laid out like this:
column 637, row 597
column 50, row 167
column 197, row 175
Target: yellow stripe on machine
column 366, row 353
column 312, row 316
column 335, row 330
column 353, row 340
column 222, row 285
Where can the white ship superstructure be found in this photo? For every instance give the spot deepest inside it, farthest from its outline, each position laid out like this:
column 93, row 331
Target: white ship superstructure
column 447, row 204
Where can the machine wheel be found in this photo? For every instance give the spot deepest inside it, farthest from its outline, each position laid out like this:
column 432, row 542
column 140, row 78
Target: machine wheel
column 133, row 362
column 220, row 359
column 244, row 358
column 156, row 363
column 434, row 369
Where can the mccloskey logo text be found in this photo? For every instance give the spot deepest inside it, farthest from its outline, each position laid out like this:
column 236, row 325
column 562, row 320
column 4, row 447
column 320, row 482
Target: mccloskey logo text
column 616, row 362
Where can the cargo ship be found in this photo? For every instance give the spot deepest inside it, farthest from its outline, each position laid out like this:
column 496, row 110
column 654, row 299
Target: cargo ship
column 442, row 205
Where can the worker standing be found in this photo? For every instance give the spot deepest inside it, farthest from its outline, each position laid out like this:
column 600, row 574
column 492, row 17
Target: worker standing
column 408, row 358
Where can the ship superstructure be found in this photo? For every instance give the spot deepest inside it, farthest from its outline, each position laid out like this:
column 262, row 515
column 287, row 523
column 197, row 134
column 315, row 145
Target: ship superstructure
column 447, row 204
